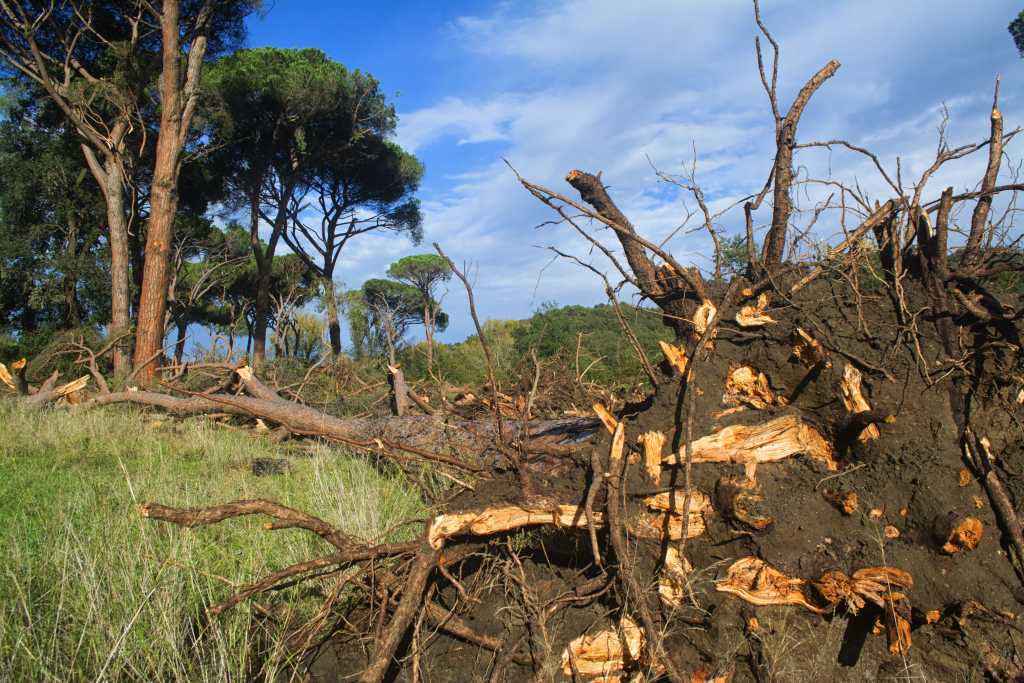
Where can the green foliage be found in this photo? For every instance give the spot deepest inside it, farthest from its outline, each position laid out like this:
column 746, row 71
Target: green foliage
column 53, row 258
column 603, row 347
column 464, row 363
column 734, row 255
column 553, row 333
column 423, row 271
column 1016, row 29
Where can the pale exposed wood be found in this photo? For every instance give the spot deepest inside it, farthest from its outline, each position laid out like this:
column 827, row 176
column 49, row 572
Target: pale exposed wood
column 668, row 515
column 675, row 355
column 5, row 376
column 845, row 502
column 958, row 533
column 775, row 440
column 703, row 316
column 755, row 581
column 603, row 656
column 506, row 518
column 672, row 501
column 673, row 577
column 738, row 499
column 753, row 315
column 807, row 349
column 870, row 584
column 606, row 417
column 653, row 443
column 747, row 386
column 853, row 399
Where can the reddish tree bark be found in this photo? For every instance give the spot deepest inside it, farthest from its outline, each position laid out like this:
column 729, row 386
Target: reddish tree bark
column 177, row 99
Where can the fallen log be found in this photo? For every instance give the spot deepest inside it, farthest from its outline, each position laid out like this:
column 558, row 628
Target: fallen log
column 463, row 444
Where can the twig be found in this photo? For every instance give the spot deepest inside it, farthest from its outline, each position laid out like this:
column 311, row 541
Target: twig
column 524, row 475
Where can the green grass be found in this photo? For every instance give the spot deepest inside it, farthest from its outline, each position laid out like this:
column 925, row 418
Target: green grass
column 90, row 590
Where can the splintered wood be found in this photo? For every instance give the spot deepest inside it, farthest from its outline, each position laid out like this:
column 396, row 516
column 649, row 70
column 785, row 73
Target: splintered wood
column 506, row 518
column 5, row 376
column 652, row 443
column 672, row 579
column 746, row 386
column 675, row 355
column 756, row 582
column 753, row 315
column 807, row 349
column 739, row 501
column 703, row 316
column 603, row 656
column 752, row 445
column 853, row 399
column 607, row 419
column 667, row 518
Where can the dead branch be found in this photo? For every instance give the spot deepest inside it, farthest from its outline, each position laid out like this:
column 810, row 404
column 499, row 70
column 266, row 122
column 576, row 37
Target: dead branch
column 412, row 595
column 785, row 142
column 979, row 219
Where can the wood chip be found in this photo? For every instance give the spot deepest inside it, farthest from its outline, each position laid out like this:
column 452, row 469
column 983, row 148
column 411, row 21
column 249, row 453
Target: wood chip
column 965, row 477
column 753, row 315
column 853, row 398
column 675, row 355
column 747, row 386
column 957, row 532
column 845, row 502
column 604, row 655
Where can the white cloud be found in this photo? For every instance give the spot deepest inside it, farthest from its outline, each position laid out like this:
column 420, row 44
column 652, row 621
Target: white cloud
column 600, row 85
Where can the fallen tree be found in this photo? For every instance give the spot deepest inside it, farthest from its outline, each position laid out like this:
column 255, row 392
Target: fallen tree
column 803, row 448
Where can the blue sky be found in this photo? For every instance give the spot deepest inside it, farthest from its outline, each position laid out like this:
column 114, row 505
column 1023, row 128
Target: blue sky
column 609, row 86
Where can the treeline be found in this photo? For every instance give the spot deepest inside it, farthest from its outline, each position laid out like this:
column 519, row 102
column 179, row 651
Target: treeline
column 155, row 172
column 586, row 342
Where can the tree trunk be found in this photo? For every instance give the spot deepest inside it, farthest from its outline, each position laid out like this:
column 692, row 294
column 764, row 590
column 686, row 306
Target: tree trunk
column 72, row 311
column 264, row 269
column 117, row 227
column 428, row 328
column 179, row 344
column 333, row 325
column 175, row 118
column 261, row 320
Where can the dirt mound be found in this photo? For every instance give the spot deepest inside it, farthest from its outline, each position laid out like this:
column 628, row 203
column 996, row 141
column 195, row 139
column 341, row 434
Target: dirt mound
column 894, row 516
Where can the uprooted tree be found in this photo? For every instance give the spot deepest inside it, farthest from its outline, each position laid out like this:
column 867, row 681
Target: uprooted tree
column 834, row 437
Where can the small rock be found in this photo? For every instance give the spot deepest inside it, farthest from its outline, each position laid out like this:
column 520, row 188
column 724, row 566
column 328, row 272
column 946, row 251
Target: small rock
column 262, row 467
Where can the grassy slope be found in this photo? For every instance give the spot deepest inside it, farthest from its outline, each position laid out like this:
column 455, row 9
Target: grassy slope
column 89, row 590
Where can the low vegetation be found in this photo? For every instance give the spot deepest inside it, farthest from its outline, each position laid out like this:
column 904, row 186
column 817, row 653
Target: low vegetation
column 89, row 590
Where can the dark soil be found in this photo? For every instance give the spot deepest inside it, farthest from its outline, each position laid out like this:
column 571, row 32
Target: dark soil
column 911, row 474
